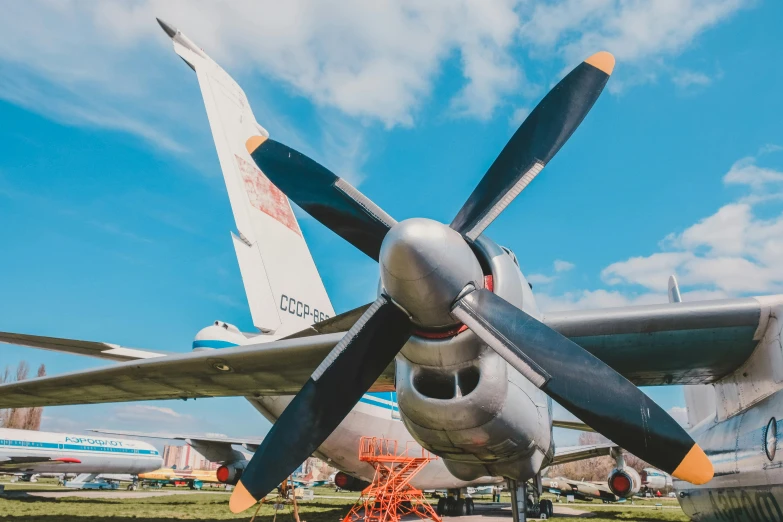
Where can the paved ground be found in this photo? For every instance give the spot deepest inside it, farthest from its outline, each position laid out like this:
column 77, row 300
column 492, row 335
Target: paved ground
column 502, row 511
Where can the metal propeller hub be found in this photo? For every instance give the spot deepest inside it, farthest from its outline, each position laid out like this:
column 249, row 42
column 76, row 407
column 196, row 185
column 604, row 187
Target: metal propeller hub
column 424, row 266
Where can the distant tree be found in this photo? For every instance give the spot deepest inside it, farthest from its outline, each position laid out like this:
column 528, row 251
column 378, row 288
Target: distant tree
column 21, row 418
column 597, row 468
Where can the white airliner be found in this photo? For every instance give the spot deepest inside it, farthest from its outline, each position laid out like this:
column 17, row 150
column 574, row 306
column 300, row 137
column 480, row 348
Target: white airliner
column 33, row 452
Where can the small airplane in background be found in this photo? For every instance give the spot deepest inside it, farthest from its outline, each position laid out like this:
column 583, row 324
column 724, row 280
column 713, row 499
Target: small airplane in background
column 36, row 452
column 193, row 478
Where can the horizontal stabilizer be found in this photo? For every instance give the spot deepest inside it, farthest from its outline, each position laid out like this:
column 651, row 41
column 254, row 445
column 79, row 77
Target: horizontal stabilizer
column 571, row 425
column 574, row 453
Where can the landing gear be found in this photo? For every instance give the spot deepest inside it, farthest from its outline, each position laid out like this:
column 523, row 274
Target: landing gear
column 455, row 505
column 526, row 501
column 441, row 509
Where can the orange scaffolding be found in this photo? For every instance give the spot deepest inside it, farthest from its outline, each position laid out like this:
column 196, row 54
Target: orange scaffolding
column 390, row 496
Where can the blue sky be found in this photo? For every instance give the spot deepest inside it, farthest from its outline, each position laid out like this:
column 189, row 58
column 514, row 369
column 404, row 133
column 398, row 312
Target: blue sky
column 117, row 222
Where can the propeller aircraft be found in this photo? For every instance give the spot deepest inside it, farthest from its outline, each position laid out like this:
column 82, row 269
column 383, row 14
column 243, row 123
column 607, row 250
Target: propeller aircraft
column 454, row 352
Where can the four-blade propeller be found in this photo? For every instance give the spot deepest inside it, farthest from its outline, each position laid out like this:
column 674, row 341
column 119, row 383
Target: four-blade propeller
column 414, row 251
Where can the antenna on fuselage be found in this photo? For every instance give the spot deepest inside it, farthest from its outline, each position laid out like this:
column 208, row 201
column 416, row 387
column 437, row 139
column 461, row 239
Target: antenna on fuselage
column 674, row 290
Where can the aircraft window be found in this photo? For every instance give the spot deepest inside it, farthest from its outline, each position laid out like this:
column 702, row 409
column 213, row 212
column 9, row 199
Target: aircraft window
column 771, row 438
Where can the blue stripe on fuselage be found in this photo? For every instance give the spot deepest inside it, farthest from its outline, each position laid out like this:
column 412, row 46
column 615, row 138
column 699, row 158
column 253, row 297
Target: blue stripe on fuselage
column 8, row 443
column 208, row 343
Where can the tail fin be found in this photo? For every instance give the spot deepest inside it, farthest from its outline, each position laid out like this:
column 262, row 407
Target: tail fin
column 283, row 288
column 699, row 398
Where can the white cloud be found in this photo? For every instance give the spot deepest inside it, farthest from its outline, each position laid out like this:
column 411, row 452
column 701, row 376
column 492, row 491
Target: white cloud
column 769, row 148
column 109, row 65
column 367, row 60
column 732, row 252
column 685, row 79
column 518, row 116
column 589, row 299
column 559, row 266
column 540, row 279
column 680, row 414
column 746, row 172
column 630, row 29
column 563, row 266
column 145, row 412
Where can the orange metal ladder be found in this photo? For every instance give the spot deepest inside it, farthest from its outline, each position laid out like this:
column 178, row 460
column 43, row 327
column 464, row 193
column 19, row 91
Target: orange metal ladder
column 390, row 496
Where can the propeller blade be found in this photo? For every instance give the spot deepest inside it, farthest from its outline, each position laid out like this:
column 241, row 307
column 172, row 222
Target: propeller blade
column 325, row 400
column 328, row 198
column 536, row 141
column 599, row 396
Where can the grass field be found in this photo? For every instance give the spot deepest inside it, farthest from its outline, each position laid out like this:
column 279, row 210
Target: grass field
column 214, row 506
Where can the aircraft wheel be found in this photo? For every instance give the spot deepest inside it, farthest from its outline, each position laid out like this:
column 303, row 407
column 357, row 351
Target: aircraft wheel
column 460, row 509
column 441, row 509
column 451, row 507
column 546, row 508
column 470, row 508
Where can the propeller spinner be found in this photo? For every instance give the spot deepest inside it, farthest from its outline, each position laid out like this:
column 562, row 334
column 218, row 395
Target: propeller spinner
column 432, row 279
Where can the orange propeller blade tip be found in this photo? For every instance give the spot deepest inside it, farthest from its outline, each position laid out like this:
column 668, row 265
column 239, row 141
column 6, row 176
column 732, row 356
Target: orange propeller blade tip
column 241, row 499
column 602, row 60
column 254, row 142
column 695, row 468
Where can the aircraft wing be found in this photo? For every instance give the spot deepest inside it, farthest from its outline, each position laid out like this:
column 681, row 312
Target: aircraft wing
column 673, row 343
column 179, row 436
column 17, row 463
column 676, row 343
column 588, row 451
column 112, row 352
column 273, row 368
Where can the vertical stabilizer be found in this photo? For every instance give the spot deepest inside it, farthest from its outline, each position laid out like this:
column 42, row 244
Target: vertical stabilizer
column 283, row 287
column 700, row 398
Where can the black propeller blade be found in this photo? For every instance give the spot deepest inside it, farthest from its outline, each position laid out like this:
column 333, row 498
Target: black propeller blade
column 584, row 385
column 325, row 400
column 536, row 141
column 328, row 198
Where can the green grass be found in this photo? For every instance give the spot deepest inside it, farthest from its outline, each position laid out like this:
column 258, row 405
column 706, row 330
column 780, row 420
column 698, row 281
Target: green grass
column 200, row 506
column 214, row 507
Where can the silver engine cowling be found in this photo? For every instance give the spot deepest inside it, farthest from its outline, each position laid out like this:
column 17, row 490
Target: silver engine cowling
column 624, row 482
column 463, row 402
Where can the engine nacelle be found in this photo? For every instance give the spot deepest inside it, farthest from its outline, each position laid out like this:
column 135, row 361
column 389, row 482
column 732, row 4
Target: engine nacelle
column 624, row 482
column 231, row 473
column 346, row 482
column 460, row 400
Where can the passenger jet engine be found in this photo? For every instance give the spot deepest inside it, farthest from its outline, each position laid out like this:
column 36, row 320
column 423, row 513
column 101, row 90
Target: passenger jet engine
column 231, row 473
column 624, row 482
